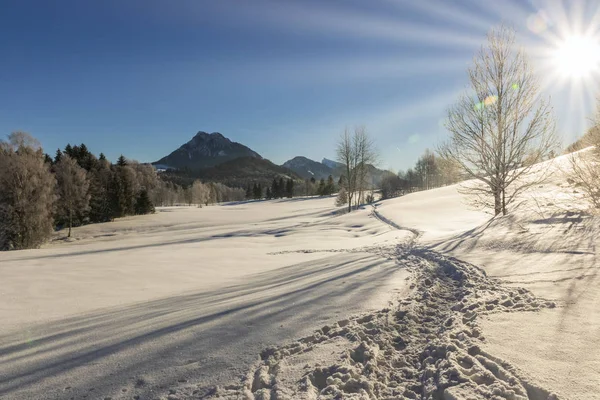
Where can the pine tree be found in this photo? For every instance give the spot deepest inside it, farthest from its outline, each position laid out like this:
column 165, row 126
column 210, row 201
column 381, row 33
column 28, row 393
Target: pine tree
column 122, row 161
column 69, row 150
column 321, row 189
column 312, row 180
column 274, row 188
column 101, row 178
column 289, row 189
column 47, row 159
column 281, row 187
column 330, row 187
column 143, row 205
column 72, row 184
column 249, row 193
column 268, row 196
column 58, row 156
column 102, row 157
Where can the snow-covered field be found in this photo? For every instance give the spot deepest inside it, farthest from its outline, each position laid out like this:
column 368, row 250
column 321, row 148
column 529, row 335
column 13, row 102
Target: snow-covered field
column 417, row 297
column 137, row 306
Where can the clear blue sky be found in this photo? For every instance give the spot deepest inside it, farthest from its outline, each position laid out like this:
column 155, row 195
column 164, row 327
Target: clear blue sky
column 141, row 77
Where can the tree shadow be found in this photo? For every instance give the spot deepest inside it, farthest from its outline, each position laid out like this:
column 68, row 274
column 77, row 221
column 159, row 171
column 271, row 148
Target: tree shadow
column 106, row 349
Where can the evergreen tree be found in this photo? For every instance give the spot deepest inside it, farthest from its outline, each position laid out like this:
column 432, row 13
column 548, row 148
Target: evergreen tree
column 102, row 157
column 259, row 192
column 69, row 150
column 275, row 188
column 268, row 196
column 330, row 187
column 249, row 193
column 312, row 180
column 123, row 193
column 58, row 156
column 281, row 187
column 47, row 159
column 289, row 189
column 143, row 205
column 255, row 193
column 122, row 161
column 321, row 189
column 101, row 178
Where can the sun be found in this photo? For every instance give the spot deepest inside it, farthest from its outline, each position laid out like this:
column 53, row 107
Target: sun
column 578, row 57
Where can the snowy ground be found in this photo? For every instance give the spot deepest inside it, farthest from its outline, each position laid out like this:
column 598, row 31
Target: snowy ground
column 417, row 297
column 141, row 305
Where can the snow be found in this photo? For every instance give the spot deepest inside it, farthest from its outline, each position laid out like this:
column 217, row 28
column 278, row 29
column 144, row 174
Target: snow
column 293, row 299
column 185, row 294
column 548, row 246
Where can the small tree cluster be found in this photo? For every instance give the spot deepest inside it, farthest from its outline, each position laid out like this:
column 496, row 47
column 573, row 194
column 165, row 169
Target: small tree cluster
column 356, row 151
column 326, row 188
column 281, row 188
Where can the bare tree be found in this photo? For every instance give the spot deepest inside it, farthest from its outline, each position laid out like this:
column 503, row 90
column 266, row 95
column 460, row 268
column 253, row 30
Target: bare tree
column 346, row 154
column 501, row 127
column 73, row 190
column 26, row 193
column 367, row 156
column 356, row 151
column 585, row 164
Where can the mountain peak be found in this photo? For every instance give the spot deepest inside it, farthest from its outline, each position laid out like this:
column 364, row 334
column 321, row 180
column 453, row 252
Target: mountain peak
column 206, row 150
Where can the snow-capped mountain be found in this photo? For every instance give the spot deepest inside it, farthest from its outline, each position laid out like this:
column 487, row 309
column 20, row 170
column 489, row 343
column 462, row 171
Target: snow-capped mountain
column 206, row 150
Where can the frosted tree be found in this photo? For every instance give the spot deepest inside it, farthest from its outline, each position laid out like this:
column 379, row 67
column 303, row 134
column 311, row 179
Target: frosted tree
column 200, row 193
column 501, row 127
column 73, row 190
column 27, row 193
column 356, row 151
column 585, row 164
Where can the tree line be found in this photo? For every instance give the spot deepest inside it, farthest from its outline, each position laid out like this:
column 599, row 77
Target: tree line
column 430, row 171
column 40, row 193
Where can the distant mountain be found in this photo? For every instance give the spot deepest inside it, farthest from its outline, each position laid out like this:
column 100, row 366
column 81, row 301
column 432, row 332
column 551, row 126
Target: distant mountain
column 235, row 173
column 206, row 150
column 308, row 168
column 331, row 164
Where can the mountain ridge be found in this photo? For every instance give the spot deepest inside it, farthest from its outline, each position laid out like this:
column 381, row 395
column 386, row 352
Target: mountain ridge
column 206, row 150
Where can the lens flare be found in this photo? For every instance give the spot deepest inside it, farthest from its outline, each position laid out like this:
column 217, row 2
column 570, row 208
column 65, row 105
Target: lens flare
column 538, row 22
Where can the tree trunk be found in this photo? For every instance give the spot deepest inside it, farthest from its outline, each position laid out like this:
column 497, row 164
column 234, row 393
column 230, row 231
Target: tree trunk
column 70, row 222
column 497, row 202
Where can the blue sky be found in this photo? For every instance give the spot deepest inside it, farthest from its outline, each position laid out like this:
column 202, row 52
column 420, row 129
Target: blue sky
column 141, row 77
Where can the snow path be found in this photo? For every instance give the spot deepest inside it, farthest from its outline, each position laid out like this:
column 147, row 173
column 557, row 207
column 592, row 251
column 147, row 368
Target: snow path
column 186, row 296
column 427, row 345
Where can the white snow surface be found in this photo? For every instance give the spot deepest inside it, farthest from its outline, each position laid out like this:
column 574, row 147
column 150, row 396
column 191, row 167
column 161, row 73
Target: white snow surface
column 548, row 245
column 166, row 305
column 186, row 294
